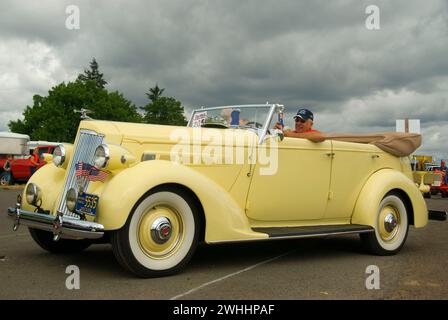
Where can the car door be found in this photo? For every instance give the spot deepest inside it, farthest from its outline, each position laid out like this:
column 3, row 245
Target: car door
column 298, row 189
column 352, row 164
column 20, row 168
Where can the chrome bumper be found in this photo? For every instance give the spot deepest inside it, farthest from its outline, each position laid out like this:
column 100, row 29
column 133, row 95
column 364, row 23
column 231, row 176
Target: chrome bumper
column 61, row 226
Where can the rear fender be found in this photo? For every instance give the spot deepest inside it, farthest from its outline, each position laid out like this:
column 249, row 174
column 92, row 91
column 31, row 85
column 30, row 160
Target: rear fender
column 374, row 190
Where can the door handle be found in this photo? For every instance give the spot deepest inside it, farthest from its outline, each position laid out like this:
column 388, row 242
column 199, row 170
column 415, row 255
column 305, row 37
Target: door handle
column 330, row 154
column 375, row 156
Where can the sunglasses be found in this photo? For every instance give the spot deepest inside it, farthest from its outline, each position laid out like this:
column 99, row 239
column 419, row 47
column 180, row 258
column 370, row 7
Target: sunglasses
column 300, row 120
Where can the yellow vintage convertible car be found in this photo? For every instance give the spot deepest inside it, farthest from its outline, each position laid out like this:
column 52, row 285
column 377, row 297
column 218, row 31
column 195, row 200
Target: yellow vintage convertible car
column 155, row 191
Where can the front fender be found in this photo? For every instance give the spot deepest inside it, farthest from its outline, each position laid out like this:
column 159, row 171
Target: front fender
column 225, row 220
column 50, row 179
column 374, row 190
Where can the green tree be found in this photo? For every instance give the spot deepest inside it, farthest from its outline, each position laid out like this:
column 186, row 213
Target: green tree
column 155, row 93
column 53, row 117
column 163, row 110
column 93, row 74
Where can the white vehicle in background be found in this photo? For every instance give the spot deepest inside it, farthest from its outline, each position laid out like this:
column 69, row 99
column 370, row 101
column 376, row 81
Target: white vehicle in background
column 34, row 144
column 20, row 148
column 13, row 143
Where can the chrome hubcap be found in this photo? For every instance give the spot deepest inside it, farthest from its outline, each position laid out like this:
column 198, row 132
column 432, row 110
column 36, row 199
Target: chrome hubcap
column 390, row 222
column 161, row 230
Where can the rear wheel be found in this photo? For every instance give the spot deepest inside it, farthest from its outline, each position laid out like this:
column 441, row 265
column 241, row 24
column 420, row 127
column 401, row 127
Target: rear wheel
column 391, row 227
column 160, row 235
column 45, row 240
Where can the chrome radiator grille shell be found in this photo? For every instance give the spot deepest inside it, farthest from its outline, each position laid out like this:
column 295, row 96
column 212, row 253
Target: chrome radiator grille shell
column 84, row 151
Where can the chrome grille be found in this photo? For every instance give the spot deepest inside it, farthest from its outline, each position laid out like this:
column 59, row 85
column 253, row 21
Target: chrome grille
column 85, row 148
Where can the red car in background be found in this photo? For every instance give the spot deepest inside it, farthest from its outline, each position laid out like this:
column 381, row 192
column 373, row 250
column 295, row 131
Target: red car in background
column 21, row 166
column 2, row 162
column 441, row 185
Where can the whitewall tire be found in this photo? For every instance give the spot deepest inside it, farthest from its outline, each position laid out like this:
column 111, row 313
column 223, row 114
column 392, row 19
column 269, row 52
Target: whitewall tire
column 160, row 235
column 391, row 227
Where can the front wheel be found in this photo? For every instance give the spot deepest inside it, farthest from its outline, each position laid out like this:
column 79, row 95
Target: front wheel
column 391, row 227
column 160, row 235
column 6, row 179
column 45, row 240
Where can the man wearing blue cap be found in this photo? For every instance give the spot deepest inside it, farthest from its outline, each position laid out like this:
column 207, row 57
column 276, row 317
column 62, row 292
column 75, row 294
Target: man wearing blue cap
column 303, row 127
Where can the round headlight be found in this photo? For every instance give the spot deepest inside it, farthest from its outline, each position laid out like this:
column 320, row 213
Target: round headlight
column 32, row 194
column 101, row 157
column 59, row 155
column 70, row 199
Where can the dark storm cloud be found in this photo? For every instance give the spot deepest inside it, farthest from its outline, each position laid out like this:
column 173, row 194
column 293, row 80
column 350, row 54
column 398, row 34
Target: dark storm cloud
column 314, row 53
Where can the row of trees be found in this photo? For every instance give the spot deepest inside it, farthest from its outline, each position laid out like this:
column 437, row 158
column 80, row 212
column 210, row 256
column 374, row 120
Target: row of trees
column 55, row 117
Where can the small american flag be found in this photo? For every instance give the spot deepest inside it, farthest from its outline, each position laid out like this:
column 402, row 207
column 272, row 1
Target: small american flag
column 82, row 169
column 97, row 175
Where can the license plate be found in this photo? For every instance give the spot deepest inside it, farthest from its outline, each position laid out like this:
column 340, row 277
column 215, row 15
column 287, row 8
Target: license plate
column 87, row 203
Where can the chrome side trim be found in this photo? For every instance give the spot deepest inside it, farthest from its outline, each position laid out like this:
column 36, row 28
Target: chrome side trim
column 266, row 124
column 315, row 235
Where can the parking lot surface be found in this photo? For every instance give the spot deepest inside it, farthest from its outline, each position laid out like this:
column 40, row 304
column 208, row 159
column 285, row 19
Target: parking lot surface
column 320, row 268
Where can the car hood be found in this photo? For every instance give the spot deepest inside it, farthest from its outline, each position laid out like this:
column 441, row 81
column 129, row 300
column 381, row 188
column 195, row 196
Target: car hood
column 123, row 133
column 147, row 141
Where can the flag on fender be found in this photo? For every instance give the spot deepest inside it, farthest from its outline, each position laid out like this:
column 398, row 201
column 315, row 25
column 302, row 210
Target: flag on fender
column 82, row 169
column 97, row 175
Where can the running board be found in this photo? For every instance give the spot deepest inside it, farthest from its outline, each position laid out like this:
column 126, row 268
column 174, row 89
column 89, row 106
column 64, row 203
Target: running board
column 313, row 231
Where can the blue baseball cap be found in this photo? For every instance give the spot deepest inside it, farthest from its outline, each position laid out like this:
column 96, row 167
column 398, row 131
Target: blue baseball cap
column 304, row 114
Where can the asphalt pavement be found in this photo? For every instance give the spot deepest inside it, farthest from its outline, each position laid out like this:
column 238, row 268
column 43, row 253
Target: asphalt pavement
column 320, row 268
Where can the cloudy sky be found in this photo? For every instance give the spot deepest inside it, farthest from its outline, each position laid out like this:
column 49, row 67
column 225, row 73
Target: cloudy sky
column 313, row 53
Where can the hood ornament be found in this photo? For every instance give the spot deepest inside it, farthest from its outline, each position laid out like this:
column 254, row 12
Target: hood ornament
column 84, row 114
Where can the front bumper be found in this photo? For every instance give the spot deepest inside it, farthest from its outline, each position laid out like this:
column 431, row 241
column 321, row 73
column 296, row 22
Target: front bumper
column 61, row 226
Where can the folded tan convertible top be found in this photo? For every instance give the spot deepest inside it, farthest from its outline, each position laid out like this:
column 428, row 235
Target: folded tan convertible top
column 396, row 143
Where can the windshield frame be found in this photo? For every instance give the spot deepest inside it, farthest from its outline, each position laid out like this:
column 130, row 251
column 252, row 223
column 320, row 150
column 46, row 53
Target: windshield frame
column 272, row 109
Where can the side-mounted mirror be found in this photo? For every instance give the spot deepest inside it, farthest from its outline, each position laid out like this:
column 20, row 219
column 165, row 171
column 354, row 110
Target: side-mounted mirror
column 279, row 133
column 272, row 134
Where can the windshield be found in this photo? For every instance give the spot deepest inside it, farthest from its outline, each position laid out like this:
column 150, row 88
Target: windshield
column 260, row 117
column 231, row 117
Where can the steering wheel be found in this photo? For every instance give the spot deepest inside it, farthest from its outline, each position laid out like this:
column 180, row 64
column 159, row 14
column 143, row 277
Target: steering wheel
column 214, row 125
column 257, row 125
